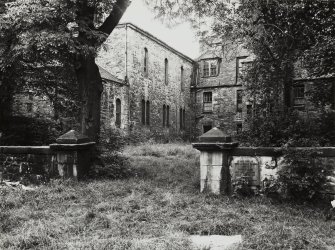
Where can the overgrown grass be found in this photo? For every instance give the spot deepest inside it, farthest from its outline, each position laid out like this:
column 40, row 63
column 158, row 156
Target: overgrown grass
column 158, row 209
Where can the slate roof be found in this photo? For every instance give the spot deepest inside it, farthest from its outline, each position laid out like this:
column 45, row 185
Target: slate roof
column 108, row 76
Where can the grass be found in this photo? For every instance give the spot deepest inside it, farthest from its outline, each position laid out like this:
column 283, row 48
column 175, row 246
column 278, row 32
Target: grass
column 158, row 209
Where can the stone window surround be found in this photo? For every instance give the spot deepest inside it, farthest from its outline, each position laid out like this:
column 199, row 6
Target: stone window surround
column 209, row 62
column 145, row 62
column 145, row 112
column 207, row 102
column 166, row 71
column 166, row 115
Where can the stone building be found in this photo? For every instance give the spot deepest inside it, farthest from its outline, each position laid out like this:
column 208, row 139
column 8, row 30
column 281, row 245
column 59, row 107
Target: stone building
column 154, row 96
column 217, row 93
column 152, row 89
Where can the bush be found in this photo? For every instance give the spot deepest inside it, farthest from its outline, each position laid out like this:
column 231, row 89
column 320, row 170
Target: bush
column 19, row 130
column 301, row 177
column 242, row 186
column 290, row 128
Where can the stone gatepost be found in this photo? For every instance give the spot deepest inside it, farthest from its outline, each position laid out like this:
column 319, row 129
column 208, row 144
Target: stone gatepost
column 215, row 148
column 73, row 155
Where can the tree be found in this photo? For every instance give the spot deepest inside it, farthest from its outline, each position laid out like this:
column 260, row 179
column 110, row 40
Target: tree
column 50, row 46
column 279, row 34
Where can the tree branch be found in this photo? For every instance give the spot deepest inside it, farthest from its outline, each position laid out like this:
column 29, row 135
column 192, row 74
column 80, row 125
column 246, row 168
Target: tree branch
column 114, row 17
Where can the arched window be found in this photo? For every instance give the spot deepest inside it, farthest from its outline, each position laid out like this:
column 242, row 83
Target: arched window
column 166, row 71
column 168, row 116
column 143, row 111
column 164, row 115
column 118, row 113
column 145, row 60
column 182, row 78
column 147, row 112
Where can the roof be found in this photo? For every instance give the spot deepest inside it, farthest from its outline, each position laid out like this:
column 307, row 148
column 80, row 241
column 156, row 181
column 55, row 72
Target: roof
column 209, row 54
column 155, row 39
column 108, row 76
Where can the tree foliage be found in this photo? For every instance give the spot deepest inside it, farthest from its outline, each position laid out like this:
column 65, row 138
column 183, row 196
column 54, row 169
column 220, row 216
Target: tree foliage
column 45, row 46
column 279, row 35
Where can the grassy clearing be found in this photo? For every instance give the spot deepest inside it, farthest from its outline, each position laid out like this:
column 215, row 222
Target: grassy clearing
column 156, row 210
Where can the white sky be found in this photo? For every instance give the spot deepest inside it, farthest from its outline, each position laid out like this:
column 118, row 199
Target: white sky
column 181, row 37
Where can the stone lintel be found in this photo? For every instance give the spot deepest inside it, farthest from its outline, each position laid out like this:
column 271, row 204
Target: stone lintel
column 71, row 147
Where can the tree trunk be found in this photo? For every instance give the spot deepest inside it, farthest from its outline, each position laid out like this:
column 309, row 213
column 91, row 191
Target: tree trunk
column 90, row 89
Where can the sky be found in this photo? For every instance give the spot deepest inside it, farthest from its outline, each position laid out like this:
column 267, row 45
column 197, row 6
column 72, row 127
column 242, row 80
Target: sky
column 181, row 37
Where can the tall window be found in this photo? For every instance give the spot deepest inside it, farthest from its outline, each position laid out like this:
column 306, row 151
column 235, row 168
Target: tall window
column 147, row 113
column 206, row 69
column 239, row 66
column 239, row 101
column 213, row 69
column 182, row 78
column 168, row 116
column 299, row 97
column 143, row 112
column 166, row 71
column 207, row 102
column 184, row 121
column 182, row 118
column 118, row 113
column 145, row 60
column 164, row 115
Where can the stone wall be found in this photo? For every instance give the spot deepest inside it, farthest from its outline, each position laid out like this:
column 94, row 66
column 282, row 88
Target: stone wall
column 30, row 105
column 111, row 92
column 223, row 86
column 128, row 44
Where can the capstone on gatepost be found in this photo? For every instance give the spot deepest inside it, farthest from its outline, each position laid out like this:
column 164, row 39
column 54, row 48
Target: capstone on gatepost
column 73, row 155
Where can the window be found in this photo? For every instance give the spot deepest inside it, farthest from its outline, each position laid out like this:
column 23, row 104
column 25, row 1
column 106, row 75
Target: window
column 239, row 100
column 206, row 128
column 206, row 69
column 238, row 128
column 29, row 107
column 168, row 116
column 182, row 78
column 145, row 60
column 118, row 113
column 239, row 66
column 182, row 118
column 143, row 112
column 166, row 71
column 213, row 69
column 207, row 102
column 210, row 67
column 164, row 115
column 184, row 121
column 299, row 96
column 249, row 109
column 147, row 113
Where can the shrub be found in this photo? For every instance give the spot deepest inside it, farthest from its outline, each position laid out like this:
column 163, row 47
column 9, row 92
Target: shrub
column 242, row 186
column 19, row 130
column 302, row 177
